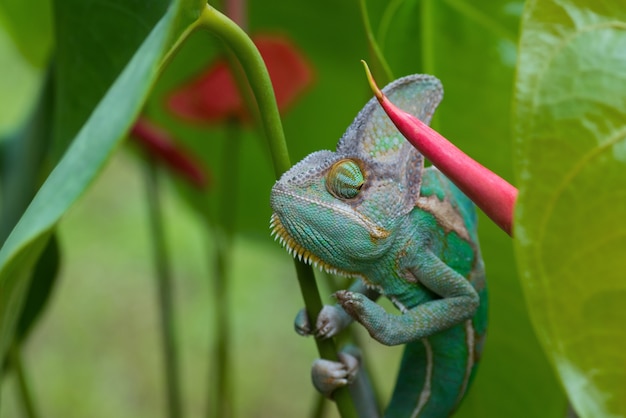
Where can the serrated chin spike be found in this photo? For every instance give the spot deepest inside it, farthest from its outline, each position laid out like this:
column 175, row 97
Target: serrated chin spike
column 299, row 252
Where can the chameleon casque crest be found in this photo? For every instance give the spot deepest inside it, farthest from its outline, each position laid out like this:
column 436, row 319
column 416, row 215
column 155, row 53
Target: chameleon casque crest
column 372, row 211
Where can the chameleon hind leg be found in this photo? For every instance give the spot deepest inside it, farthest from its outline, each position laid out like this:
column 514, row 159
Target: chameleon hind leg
column 434, row 375
column 328, row 376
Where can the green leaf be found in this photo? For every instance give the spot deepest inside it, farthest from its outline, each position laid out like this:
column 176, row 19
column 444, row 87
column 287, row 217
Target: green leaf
column 22, row 170
column 24, row 160
column 86, row 156
column 29, row 23
column 95, row 40
column 570, row 128
column 19, row 85
column 44, row 277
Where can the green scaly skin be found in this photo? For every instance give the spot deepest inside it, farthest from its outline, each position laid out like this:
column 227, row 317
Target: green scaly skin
column 371, row 211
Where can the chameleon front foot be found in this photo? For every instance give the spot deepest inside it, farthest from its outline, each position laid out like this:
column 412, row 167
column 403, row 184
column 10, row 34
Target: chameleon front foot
column 329, row 376
column 373, row 317
column 329, row 323
column 357, row 305
column 351, row 302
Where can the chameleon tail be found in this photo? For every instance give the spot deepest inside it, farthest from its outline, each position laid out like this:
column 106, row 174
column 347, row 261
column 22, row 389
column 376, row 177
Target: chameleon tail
column 435, row 373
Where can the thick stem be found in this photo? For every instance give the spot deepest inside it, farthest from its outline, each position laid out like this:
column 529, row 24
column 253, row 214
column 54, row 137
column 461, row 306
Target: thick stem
column 427, row 29
column 223, row 399
column 376, row 53
column 164, row 284
column 221, row 290
column 259, row 80
column 428, row 33
column 319, row 406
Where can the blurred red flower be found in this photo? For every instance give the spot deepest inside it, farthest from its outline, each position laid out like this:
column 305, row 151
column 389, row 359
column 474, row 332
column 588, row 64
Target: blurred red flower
column 159, row 144
column 213, row 96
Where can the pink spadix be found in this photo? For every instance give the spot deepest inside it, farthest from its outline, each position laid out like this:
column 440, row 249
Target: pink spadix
column 491, row 193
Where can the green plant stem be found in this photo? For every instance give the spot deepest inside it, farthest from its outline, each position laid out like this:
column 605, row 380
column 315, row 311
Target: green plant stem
column 473, row 14
column 385, row 21
column 259, row 80
column 223, row 240
column 319, row 406
column 258, row 77
column 224, row 233
column 352, row 336
column 428, row 42
column 380, row 65
column 222, row 392
column 164, row 284
column 28, row 405
column 427, row 25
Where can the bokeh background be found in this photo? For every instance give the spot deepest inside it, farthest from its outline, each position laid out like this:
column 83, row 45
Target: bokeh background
column 95, row 351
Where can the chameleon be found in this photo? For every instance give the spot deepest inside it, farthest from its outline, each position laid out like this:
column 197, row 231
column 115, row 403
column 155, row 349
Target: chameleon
column 372, row 211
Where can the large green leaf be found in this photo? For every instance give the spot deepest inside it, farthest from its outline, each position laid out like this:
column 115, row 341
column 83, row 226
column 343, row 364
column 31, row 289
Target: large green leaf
column 44, row 277
column 26, row 42
column 571, row 149
column 86, row 156
column 23, row 167
column 19, row 84
column 95, row 40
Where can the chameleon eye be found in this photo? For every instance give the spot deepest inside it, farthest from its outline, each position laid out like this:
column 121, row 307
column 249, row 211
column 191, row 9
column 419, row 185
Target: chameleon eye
column 344, row 179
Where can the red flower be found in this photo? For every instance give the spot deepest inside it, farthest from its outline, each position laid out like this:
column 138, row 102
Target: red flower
column 158, row 144
column 214, row 97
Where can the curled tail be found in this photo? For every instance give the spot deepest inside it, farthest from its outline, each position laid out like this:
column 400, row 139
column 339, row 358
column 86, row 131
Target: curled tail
column 435, row 374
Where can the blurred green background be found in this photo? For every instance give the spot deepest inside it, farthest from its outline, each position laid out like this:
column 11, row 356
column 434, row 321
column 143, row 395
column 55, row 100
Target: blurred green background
column 96, row 350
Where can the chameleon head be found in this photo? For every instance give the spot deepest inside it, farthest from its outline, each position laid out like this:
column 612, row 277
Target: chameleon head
column 317, row 213
column 321, row 213
column 339, row 210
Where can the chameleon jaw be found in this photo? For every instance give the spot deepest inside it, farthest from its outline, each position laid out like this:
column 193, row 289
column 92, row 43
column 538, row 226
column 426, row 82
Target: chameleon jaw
column 298, row 251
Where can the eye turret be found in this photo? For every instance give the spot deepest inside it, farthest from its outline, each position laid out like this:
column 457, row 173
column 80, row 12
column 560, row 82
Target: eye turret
column 345, row 179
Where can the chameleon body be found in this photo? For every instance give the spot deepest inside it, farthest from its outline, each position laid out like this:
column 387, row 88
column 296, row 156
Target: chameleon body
column 372, row 211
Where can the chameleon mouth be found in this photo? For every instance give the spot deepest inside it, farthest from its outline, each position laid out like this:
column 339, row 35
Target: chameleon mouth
column 298, row 251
